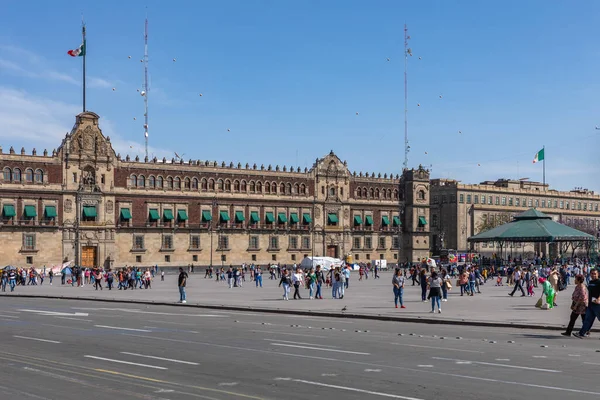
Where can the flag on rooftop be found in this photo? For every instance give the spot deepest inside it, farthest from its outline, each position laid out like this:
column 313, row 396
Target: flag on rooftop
column 539, row 156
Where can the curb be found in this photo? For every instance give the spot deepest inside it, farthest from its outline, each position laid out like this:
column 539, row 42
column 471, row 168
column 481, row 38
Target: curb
column 310, row 313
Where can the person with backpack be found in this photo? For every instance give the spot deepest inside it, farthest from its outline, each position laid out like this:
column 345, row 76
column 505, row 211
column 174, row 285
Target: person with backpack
column 320, row 280
column 286, row 282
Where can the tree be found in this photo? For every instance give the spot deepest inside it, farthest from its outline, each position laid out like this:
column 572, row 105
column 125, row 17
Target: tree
column 583, row 225
column 490, row 221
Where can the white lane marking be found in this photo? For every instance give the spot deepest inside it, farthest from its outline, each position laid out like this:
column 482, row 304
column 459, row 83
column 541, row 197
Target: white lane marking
column 137, row 311
column 502, row 359
column 372, row 370
column 228, row 383
column 164, row 391
column 36, row 339
column 292, row 334
column 350, row 389
column 591, row 363
column 464, row 362
column 574, row 355
column 56, row 313
column 425, row 366
column 124, row 362
column 9, row 316
column 337, row 361
column 539, row 356
column 123, row 329
column 321, row 349
column 177, row 330
column 500, row 365
column 437, row 348
column 309, row 344
column 160, row 358
column 328, row 374
column 76, row 319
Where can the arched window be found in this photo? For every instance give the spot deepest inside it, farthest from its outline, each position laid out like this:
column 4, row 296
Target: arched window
column 195, row 184
column 227, row 185
column 364, row 193
column 17, row 175
column 141, row 181
column 357, row 193
column 243, row 187
column 274, row 187
column 389, row 194
column 7, row 174
column 303, row 189
column 151, row 181
column 252, row 186
column 186, row 183
column 395, row 194
column 220, row 185
column 203, row 184
column 236, row 186
column 288, row 188
column 258, row 187
column 421, row 195
column 267, row 187
column 296, row 188
column 169, row 182
column 29, row 175
column 177, row 183
column 211, row 184
column 133, row 181
column 159, row 182
column 282, row 188
column 376, row 193
column 332, row 191
column 372, row 193
column 39, row 176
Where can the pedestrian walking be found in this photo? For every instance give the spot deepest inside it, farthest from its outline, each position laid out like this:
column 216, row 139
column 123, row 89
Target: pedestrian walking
column 518, row 277
column 398, row 287
column 311, row 283
column 593, row 310
column 320, row 281
column 297, row 280
column 181, row 282
column 579, row 304
column 258, row 277
column 435, row 291
column 286, row 282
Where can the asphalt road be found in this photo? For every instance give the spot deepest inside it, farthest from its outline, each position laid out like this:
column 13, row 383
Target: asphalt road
column 73, row 350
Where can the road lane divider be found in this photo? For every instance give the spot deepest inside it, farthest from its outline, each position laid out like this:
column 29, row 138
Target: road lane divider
column 160, row 358
column 498, row 365
column 125, row 362
column 36, row 339
column 309, row 344
column 321, row 349
column 122, row 329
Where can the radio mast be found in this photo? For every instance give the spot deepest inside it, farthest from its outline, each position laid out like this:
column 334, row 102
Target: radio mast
column 146, row 89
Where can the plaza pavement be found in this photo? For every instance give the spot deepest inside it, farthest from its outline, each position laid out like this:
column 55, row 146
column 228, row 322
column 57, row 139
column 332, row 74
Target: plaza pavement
column 368, row 298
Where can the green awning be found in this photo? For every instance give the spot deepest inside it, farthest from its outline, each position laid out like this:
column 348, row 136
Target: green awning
column 125, row 213
column 168, row 215
column 254, row 218
column 396, row 221
column 182, row 215
column 269, row 217
column 206, row 216
column 224, row 216
column 239, row 216
column 50, row 212
column 294, row 218
column 422, row 221
column 9, row 211
column 369, row 220
column 385, row 220
column 153, row 214
column 30, row 212
column 306, row 218
column 281, row 218
column 332, row 218
column 357, row 220
column 89, row 211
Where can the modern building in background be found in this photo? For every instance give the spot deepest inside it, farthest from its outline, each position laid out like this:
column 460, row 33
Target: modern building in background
column 84, row 203
column 461, row 210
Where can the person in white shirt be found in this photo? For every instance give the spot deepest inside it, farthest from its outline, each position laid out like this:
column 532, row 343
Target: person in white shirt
column 518, row 282
column 297, row 280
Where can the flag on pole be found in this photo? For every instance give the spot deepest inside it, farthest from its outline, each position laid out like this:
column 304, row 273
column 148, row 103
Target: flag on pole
column 78, row 52
column 539, row 156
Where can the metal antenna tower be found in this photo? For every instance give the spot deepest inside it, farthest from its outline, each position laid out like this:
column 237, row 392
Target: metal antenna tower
column 146, row 89
column 407, row 52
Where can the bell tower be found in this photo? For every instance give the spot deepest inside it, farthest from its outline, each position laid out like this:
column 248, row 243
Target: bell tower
column 415, row 192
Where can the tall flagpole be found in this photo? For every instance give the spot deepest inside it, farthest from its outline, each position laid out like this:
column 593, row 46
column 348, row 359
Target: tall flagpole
column 84, row 55
column 146, row 88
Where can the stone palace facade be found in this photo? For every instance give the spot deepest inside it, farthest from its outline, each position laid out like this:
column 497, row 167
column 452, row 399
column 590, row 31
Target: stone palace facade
column 84, row 202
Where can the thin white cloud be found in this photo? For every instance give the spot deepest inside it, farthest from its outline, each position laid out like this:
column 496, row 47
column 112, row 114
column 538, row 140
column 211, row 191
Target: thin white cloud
column 96, row 82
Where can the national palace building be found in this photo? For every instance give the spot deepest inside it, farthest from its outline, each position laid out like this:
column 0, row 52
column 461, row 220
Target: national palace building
column 84, row 202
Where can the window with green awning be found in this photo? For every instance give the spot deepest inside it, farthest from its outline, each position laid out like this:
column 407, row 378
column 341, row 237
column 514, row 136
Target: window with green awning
column 294, row 218
column 396, row 221
column 281, row 218
column 306, row 218
column 153, row 214
column 182, row 215
column 125, row 214
column 89, row 211
column 224, row 216
column 168, row 215
column 239, row 216
column 269, row 217
column 254, row 218
column 357, row 220
column 369, row 220
column 30, row 212
column 385, row 221
column 50, row 212
column 206, row 216
column 9, row 211
column 332, row 218
column 422, row 221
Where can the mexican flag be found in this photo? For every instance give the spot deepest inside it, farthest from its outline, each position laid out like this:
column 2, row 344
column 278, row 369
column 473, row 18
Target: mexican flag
column 539, row 156
column 80, row 51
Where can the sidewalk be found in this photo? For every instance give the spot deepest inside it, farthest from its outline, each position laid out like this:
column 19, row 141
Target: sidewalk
column 370, row 299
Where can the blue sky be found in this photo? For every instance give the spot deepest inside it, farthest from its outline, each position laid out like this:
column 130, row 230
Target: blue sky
column 288, row 77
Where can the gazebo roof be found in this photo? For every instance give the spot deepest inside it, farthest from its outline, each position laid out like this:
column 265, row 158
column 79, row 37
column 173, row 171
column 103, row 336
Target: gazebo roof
column 532, row 226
